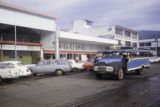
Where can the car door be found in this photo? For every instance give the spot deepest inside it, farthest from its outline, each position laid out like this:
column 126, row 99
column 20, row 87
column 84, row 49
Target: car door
column 49, row 67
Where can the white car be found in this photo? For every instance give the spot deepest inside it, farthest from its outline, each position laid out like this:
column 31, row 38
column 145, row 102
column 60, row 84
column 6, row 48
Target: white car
column 76, row 66
column 8, row 71
column 18, row 67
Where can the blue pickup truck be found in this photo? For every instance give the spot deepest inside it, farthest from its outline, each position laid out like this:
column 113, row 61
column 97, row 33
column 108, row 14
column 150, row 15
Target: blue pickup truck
column 112, row 64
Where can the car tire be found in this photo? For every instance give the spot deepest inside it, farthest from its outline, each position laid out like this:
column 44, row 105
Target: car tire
column 1, row 79
column 75, row 69
column 59, row 72
column 120, row 74
column 98, row 76
column 139, row 71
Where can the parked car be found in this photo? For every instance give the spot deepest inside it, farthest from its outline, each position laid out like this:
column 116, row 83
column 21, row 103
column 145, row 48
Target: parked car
column 12, row 70
column 76, row 66
column 57, row 67
column 22, row 69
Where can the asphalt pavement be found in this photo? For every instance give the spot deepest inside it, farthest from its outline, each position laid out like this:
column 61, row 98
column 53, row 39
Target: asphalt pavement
column 84, row 90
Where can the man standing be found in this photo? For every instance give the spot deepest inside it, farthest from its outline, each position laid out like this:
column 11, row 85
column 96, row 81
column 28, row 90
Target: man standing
column 125, row 62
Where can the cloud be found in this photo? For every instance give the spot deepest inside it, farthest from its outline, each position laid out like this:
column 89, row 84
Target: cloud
column 147, row 27
column 46, row 5
column 128, row 13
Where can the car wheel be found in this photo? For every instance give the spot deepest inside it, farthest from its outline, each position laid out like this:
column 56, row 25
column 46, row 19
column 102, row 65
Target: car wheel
column 139, row 71
column 75, row 69
column 59, row 72
column 0, row 79
column 98, row 76
column 120, row 74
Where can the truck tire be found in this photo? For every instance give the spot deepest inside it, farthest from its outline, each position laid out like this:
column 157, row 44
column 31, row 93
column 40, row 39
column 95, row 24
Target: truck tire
column 120, row 74
column 139, row 71
column 98, row 76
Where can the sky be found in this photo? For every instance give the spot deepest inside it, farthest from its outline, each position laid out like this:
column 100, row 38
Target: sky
column 135, row 14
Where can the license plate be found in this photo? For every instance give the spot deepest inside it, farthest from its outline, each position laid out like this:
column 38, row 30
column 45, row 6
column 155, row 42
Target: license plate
column 102, row 68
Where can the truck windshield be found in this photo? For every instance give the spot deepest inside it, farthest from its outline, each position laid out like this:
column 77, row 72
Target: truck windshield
column 111, row 55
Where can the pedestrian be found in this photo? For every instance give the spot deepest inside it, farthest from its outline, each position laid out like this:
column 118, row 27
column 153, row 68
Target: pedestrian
column 96, row 59
column 125, row 62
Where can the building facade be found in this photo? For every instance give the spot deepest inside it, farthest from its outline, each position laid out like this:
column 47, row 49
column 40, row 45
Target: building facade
column 22, row 33
column 29, row 36
column 126, row 37
column 73, row 46
column 150, row 40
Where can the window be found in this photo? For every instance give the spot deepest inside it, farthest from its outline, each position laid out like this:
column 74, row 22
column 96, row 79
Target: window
column 3, row 65
column 142, row 44
column 119, row 31
column 127, row 33
column 110, row 29
column 119, row 42
column 62, row 62
column 134, row 35
column 128, row 43
column 134, row 44
column 10, row 65
column 148, row 44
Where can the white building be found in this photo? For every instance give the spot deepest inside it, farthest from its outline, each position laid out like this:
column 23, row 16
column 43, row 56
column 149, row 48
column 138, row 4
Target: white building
column 23, row 32
column 126, row 37
column 72, row 45
column 150, row 40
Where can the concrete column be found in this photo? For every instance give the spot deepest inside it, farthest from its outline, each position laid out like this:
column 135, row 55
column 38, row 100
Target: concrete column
column 131, row 40
column 41, row 54
column 57, row 43
column 15, row 42
column 124, row 39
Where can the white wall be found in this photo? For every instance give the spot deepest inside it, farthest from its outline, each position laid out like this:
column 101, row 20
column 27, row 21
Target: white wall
column 12, row 17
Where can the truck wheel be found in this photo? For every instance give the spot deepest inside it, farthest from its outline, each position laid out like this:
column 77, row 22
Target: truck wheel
column 98, row 76
column 59, row 72
column 139, row 71
column 120, row 74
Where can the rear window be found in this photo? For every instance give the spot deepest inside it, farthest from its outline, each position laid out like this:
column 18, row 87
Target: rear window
column 3, row 65
column 10, row 65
